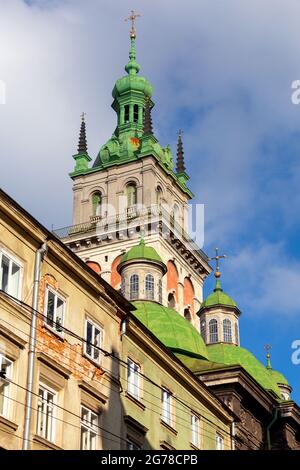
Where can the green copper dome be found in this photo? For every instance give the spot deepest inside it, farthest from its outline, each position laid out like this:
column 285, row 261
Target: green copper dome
column 218, row 297
column 132, row 82
column 142, row 252
column 230, row 354
column 278, row 377
column 173, row 330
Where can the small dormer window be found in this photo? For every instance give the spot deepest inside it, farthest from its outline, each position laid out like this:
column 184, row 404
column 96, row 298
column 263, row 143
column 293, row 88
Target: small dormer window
column 213, row 331
column 227, row 334
column 134, row 287
column 149, row 287
column 135, row 113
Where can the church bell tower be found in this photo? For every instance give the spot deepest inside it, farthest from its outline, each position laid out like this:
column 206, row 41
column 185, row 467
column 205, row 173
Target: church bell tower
column 133, row 187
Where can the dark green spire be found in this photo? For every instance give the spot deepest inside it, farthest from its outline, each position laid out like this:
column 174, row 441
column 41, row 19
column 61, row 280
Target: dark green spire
column 82, row 144
column 180, row 167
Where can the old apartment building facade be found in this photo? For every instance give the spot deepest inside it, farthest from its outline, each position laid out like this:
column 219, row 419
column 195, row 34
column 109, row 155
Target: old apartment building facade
column 87, row 391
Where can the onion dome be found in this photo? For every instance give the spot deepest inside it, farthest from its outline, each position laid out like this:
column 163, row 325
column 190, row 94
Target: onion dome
column 218, row 298
column 142, row 252
column 171, row 328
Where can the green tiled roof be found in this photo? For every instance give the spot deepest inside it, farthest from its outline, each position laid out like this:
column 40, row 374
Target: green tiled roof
column 172, row 329
column 142, row 252
column 218, row 297
column 278, row 377
column 231, row 354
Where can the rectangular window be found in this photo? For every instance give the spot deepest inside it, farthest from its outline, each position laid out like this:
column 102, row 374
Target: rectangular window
column 45, row 414
column 166, row 412
column 195, row 425
column 6, row 374
column 10, row 275
column 132, row 445
column 219, row 442
column 88, row 429
column 133, row 378
column 94, row 337
column 55, row 310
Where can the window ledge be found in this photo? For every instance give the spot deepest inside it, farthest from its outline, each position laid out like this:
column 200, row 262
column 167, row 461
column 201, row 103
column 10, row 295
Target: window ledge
column 169, row 428
column 54, row 331
column 8, row 423
column 135, row 400
column 93, row 361
column 46, row 443
column 194, row 447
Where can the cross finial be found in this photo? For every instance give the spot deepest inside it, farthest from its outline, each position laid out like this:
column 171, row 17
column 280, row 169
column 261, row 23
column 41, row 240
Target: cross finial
column 83, row 116
column 267, row 348
column 134, row 15
column 217, row 258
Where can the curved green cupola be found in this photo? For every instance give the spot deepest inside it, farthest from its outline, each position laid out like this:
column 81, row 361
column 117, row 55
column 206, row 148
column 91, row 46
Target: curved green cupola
column 130, row 94
column 219, row 314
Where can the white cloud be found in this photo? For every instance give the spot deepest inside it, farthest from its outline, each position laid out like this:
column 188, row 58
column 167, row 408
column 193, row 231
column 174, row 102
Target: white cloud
column 223, row 67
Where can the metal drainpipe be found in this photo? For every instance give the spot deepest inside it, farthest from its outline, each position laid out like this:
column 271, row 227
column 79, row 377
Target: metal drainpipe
column 39, row 256
column 269, row 427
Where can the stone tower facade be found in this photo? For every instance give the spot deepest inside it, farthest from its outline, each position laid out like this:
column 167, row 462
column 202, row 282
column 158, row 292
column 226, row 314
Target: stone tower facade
column 134, row 188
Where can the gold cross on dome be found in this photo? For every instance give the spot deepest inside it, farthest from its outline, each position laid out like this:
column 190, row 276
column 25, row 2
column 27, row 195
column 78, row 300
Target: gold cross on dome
column 134, row 15
column 217, row 258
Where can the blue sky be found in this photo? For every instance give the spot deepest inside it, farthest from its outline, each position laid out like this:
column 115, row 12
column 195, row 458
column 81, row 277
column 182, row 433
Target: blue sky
column 222, row 71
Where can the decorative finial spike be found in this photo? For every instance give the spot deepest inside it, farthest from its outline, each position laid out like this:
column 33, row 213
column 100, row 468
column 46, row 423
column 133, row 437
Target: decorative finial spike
column 82, row 144
column 267, row 348
column 217, row 258
column 180, row 167
column 148, row 130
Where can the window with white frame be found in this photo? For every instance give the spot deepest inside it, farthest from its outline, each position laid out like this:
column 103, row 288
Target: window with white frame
column 54, row 310
column 46, row 413
column 213, row 331
column 94, row 339
column 149, row 287
column 195, row 426
column 219, row 442
column 10, row 275
column 227, row 333
column 133, row 378
column 88, row 429
column 236, row 327
column 134, row 287
column 5, row 376
column 160, row 298
column 166, row 406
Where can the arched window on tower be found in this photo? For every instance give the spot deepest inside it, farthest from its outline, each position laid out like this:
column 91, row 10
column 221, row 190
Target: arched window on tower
column 135, row 113
column 97, row 203
column 160, row 291
column 176, row 214
column 149, row 287
column 158, row 195
column 203, row 330
column 126, row 113
column 236, row 327
column 187, row 314
column 134, row 287
column 213, row 331
column 171, row 301
column 131, row 193
column 227, row 334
